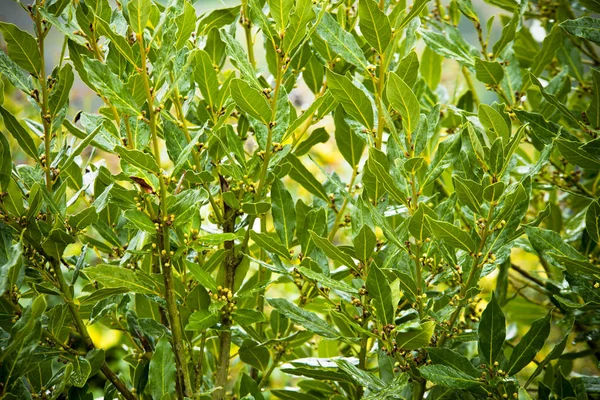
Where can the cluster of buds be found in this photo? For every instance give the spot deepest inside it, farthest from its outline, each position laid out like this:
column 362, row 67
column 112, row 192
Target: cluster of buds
column 356, row 302
column 490, row 258
column 35, row 258
column 191, row 237
column 481, row 223
column 224, row 295
column 500, row 225
column 426, row 261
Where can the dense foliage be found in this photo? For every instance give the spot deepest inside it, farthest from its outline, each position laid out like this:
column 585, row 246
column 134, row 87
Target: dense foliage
column 196, row 215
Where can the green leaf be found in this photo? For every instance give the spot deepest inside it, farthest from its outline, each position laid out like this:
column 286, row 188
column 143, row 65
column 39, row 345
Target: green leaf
column 139, row 159
column 19, row 134
column 445, row 156
column 327, row 281
column 451, row 234
column 60, row 91
column 587, row 28
column 250, row 100
column 268, row 243
column 417, row 7
column 206, row 77
column 469, row 192
column 305, row 319
column 493, row 192
column 553, row 354
column 374, row 25
column 493, row 122
column 141, row 220
column 284, row 213
column 529, row 345
column 451, row 358
column 237, row 56
column 247, row 317
column 15, row 75
column 408, row 68
column 201, row 320
column 449, row 377
column 300, row 174
column 341, row 41
column 255, row 355
column 492, row 332
column 319, row 135
column 403, row 100
column 201, row 275
column 416, row 338
column 10, row 266
column 81, row 371
column 331, row 250
column 545, row 241
column 551, row 98
column 364, row 243
column 111, row 276
column 377, row 164
column 593, row 111
column 162, row 370
column 489, row 72
column 139, row 14
column 575, row 154
column 84, row 218
column 381, row 294
column 22, row 48
column 354, row 100
column 256, row 208
column 280, row 11
column 350, row 144
column 430, row 68
column 592, row 220
column 5, row 162
column 217, row 19
column 296, row 30
column 110, row 86
column 552, row 42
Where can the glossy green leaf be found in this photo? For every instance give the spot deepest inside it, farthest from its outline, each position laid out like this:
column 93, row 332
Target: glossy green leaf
column 284, row 213
column 374, row 25
column 448, row 377
column 451, row 234
column 355, row 101
column 531, row 343
column 305, row 319
column 22, row 48
column 341, row 41
column 489, row 72
column 161, row 374
column 250, row 101
column 592, row 221
column 381, row 295
column 492, row 332
column 585, row 27
column 331, row 250
column 403, row 100
column 19, row 134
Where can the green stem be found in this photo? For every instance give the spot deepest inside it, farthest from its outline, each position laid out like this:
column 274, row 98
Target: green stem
column 379, row 99
column 340, row 214
column 44, row 113
column 167, row 268
column 470, row 85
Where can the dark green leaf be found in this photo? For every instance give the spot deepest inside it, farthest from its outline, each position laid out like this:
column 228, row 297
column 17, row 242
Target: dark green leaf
column 492, row 332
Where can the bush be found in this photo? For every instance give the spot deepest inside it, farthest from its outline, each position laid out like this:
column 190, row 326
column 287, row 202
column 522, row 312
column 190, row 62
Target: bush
column 450, row 252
